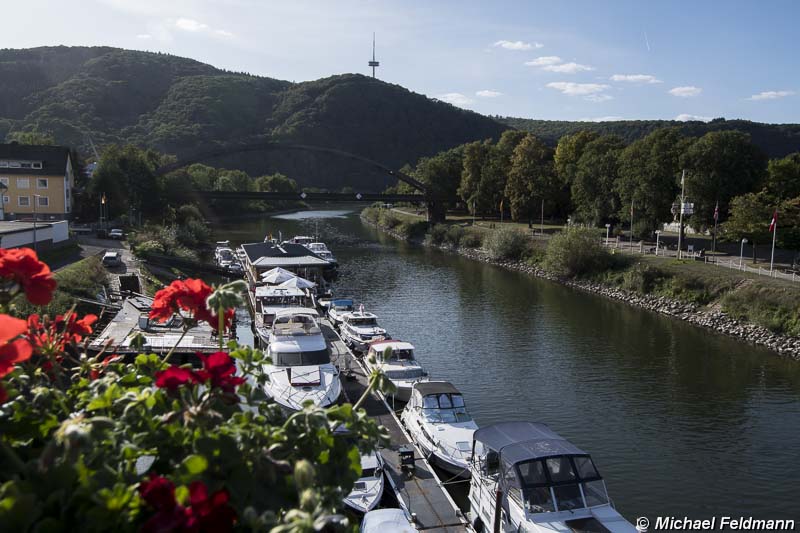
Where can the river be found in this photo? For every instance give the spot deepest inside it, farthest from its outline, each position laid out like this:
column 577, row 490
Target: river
column 680, row 421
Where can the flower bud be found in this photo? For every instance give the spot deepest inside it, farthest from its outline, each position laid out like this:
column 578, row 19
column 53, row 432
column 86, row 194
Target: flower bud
column 304, row 474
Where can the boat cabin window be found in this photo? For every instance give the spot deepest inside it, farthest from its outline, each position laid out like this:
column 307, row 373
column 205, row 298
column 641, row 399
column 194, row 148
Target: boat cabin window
column 363, row 321
column 558, row 483
column 304, row 320
column 445, row 408
column 227, row 255
column 343, row 307
column 398, row 355
column 312, row 358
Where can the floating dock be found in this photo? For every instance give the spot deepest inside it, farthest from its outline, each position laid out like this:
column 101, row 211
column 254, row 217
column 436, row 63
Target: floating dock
column 420, row 493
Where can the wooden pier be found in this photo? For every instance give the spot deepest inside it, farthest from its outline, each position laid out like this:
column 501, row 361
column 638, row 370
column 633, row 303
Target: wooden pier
column 420, row 492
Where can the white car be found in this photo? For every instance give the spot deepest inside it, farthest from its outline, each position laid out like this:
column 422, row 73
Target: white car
column 117, row 234
column 112, row 259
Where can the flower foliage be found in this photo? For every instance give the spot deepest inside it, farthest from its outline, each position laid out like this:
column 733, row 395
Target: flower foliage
column 98, row 442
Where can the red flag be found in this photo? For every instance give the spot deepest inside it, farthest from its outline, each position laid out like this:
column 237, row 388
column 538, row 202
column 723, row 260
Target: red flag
column 774, row 221
column 716, row 212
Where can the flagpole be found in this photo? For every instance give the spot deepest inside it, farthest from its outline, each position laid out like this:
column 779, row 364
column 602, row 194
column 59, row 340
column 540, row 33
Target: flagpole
column 680, row 219
column 714, row 238
column 774, row 235
column 631, row 241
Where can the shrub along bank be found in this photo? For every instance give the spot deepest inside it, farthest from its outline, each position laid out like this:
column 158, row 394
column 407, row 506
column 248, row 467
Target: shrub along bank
column 714, row 297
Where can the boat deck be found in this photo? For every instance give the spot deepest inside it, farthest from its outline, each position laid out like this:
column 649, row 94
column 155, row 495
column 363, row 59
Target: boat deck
column 420, row 493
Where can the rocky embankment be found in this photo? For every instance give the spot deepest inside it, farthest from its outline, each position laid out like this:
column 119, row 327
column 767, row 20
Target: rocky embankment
column 701, row 316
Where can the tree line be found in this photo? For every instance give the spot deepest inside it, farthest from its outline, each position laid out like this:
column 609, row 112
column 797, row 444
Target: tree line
column 596, row 179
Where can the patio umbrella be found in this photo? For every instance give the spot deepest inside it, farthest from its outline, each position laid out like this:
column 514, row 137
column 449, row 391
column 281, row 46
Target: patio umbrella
column 298, row 283
column 277, row 275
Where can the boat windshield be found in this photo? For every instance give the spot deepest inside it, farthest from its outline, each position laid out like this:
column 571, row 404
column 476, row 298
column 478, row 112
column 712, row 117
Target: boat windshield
column 559, row 483
column 311, row 358
column 348, row 307
column 445, row 409
column 226, row 254
column 362, row 322
column 399, row 355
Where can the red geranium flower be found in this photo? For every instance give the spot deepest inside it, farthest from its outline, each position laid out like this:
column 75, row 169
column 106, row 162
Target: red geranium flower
column 95, row 373
column 12, row 349
column 219, row 370
column 204, row 514
column 210, row 513
column 50, row 337
column 158, row 492
column 23, row 267
column 186, row 295
column 174, row 377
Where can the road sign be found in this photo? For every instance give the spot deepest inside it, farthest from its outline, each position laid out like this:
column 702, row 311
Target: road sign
column 358, row 196
column 303, row 195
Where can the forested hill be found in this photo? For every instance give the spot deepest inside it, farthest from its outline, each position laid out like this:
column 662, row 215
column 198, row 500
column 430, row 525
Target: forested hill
column 776, row 140
column 176, row 105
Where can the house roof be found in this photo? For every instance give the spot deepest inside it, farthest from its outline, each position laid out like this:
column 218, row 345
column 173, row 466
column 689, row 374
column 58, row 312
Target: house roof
column 287, row 254
column 54, row 159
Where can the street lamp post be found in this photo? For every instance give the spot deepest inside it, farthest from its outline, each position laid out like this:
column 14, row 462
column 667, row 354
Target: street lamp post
column 658, row 235
column 608, row 233
column 35, row 217
column 3, row 189
column 741, row 253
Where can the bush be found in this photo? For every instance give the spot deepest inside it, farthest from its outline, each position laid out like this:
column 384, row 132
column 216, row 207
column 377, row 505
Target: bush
column 506, row 243
column 436, row 235
column 454, row 235
column 775, row 308
column 641, row 278
column 388, row 219
column 576, row 252
column 412, row 230
column 472, row 238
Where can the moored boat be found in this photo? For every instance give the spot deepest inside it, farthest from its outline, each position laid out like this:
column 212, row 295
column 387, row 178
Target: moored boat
column 387, row 520
column 337, row 308
column 396, row 360
column 359, row 328
column 437, row 419
column 270, row 300
column 368, row 489
column 300, row 369
column 526, row 477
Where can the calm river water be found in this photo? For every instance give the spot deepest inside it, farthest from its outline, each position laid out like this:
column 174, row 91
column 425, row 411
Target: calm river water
column 680, row 422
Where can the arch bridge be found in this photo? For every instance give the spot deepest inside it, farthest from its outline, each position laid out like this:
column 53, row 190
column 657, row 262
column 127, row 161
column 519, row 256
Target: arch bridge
column 435, row 206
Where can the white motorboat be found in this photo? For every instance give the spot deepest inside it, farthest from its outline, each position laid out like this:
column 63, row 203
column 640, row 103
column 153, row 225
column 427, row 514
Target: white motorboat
column 437, row 419
column 359, row 328
column 322, row 250
column 526, row 477
column 337, row 308
column 386, row 521
column 396, row 360
column 300, row 369
column 368, row 489
column 269, row 300
column 300, row 239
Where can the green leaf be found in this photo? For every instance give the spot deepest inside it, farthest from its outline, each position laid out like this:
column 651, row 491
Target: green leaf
column 195, row 464
column 99, row 402
column 182, row 494
column 355, row 460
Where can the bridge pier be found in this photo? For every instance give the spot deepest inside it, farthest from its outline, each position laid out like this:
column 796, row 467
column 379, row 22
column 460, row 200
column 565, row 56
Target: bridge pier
column 436, row 212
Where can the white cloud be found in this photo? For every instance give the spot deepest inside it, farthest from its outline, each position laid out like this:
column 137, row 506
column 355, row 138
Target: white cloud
column 144, row 36
column 455, row 99
column 684, row 117
column 771, row 95
column 635, row 78
column 190, row 25
column 543, row 61
column 517, row 45
column 599, row 97
column 223, row 33
column 567, row 68
column 609, row 118
column 578, row 89
column 488, row 93
column 685, row 92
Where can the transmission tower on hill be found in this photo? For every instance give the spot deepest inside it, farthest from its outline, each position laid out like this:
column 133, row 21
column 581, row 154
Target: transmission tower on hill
column 374, row 63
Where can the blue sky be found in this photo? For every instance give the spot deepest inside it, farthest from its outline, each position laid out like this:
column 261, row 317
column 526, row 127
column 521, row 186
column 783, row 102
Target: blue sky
column 551, row 60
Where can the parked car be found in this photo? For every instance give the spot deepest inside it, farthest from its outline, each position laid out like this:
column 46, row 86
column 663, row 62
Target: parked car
column 116, row 234
column 112, row 259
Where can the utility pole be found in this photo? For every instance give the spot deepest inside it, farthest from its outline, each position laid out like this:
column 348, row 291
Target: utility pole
column 374, row 63
column 631, row 241
column 680, row 217
column 542, row 215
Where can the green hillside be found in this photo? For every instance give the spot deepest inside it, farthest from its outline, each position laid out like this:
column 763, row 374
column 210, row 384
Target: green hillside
column 776, row 140
column 177, row 105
